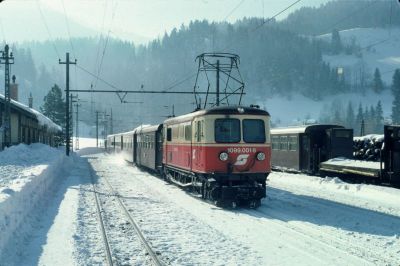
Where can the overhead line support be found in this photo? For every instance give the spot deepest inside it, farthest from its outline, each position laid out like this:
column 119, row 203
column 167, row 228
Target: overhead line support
column 7, row 59
column 67, row 107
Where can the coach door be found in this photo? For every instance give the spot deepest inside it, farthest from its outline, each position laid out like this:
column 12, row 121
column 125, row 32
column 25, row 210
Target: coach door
column 392, row 151
column 304, row 152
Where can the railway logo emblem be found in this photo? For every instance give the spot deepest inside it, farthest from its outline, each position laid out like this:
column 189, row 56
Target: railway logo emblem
column 242, row 159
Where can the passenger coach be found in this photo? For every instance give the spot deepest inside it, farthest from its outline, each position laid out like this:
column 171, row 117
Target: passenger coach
column 304, row 148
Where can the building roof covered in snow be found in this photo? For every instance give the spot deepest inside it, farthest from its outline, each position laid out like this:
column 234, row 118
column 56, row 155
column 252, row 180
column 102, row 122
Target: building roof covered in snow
column 41, row 118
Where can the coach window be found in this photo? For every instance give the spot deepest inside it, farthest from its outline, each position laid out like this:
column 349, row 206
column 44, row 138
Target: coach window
column 275, row 142
column 283, row 143
column 253, row 131
column 227, row 130
column 293, row 143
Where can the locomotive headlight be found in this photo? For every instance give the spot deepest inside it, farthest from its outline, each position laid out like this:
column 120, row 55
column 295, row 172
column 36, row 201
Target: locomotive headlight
column 261, row 156
column 223, row 156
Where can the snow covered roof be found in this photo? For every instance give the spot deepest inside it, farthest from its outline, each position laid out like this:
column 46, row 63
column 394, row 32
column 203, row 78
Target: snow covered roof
column 301, row 129
column 42, row 119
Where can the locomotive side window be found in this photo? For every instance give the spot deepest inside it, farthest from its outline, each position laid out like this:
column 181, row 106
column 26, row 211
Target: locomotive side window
column 188, row 132
column 169, row 134
column 175, row 132
column 227, row 130
column 199, row 131
column 253, row 131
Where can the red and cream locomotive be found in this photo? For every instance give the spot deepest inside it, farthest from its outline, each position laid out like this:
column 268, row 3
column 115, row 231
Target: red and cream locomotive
column 222, row 153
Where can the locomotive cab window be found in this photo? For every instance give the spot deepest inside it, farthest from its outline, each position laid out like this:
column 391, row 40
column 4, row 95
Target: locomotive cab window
column 199, row 130
column 188, row 132
column 253, row 131
column 227, row 130
column 169, row 134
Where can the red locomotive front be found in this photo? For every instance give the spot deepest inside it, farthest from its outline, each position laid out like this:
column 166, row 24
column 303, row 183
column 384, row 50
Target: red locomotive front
column 224, row 153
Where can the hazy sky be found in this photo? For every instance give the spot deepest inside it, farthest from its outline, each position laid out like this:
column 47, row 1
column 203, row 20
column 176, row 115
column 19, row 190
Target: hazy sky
column 133, row 19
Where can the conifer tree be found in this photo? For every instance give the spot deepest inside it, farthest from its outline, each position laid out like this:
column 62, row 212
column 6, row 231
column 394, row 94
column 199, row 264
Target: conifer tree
column 359, row 119
column 377, row 84
column 396, row 96
column 336, row 42
column 350, row 117
column 371, row 122
column 54, row 106
column 379, row 118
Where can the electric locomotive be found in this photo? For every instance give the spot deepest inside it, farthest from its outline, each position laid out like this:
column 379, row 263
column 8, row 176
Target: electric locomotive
column 223, row 153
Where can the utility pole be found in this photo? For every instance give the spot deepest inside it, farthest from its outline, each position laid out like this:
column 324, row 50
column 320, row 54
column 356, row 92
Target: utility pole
column 97, row 128
column 111, row 124
column 217, row 83
column 7, row 59
column 67, row 107
column 77, row 126
column 71, row 120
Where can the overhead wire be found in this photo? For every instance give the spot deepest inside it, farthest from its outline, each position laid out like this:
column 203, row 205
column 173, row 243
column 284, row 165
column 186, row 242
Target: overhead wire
column 234, row 9
column 100, row 36
column 68, row 28
column 47, row 29
column 2, row 31
column 106, row 43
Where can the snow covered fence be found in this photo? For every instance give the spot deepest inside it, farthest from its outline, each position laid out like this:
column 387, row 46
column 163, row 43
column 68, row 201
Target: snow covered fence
column 27, row 175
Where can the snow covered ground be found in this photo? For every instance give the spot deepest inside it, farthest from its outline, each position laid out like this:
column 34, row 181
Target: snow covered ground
column 305, row 220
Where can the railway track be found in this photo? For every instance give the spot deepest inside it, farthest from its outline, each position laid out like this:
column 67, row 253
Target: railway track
column 107, row 246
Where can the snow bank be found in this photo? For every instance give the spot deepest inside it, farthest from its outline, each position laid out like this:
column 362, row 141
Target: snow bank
column 27, row 174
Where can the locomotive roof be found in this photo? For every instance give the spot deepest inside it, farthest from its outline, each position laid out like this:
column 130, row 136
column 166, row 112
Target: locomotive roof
column 226, row 110
column 302, row 129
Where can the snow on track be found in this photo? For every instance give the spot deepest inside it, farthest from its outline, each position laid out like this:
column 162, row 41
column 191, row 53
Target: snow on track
column 303, row 221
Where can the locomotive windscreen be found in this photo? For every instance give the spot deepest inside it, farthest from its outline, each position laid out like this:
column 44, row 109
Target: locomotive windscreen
column 227, row 130
column 253, row 131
